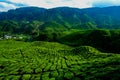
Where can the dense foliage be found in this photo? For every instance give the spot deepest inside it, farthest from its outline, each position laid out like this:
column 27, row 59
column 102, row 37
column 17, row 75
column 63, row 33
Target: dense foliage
column 32, row 19
column 54, row 61
column 103, row 40
column 60, row 44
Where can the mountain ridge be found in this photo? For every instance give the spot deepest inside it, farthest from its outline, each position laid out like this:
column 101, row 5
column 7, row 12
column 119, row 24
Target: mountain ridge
column 67, row 17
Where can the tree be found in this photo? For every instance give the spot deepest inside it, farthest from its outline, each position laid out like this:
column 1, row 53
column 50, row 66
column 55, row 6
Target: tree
column 99, row 38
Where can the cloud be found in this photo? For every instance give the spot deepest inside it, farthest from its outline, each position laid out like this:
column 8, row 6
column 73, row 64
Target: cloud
column 11, row 4
column 71, row 3
column 56, row 3
column 5, row 6
column 105, row 3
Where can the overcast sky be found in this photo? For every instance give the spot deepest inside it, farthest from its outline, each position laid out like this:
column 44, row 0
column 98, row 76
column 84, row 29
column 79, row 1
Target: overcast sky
column 12, row 4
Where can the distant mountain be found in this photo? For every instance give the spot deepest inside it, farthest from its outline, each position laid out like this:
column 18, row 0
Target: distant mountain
column 63, row 18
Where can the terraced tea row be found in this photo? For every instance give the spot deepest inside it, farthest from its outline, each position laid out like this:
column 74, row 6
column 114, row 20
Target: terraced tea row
column 37, row 61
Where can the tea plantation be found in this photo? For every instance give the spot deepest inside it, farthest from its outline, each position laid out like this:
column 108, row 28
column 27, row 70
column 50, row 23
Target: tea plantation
column 54, row 61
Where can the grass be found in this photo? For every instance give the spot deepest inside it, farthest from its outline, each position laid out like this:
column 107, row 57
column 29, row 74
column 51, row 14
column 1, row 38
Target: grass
column 54, row 61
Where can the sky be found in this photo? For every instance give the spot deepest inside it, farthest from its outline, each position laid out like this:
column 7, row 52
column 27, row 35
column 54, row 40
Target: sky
column 6, row 5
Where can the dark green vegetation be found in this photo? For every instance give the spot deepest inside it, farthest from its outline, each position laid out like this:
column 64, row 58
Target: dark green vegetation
column 54, row 61
column 66, row 55
column 60, row 44
column 31, row 20
column 103, row 40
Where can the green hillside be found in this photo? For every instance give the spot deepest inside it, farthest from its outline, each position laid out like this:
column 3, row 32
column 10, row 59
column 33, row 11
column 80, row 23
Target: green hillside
column 30, row 19
column 54, row 61
column 102, row 39
column 60, row 43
